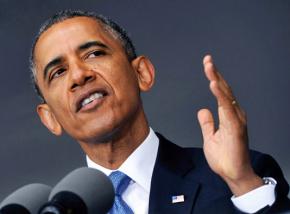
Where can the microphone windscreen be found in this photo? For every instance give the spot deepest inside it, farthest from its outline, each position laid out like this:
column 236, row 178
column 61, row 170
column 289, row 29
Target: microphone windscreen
column 93, row 187
column 29, row 197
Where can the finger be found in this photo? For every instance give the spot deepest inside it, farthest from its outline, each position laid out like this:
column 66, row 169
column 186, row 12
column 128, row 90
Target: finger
column 227, row 97
column 241, row 113
column 212, row 74
column 221, row 97
column 225, row 86
column 229, row 103
column 209, row 68
column 226, row 110
column 207, row 58
column 228, row 92
column 206, row 123
column 208, row 62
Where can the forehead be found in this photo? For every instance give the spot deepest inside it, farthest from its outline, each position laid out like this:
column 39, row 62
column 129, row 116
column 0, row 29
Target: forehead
column 64, row 37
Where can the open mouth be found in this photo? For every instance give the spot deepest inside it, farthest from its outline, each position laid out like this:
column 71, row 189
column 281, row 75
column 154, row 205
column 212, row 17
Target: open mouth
column 90, row 100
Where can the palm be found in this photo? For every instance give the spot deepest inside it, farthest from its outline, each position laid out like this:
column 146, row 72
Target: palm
column 222, row 151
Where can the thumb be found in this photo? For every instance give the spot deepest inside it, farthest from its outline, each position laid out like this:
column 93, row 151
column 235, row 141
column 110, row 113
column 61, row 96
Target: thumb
column 206, row 123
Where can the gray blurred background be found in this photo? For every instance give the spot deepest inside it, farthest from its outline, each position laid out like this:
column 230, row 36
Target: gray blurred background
column 250, row 43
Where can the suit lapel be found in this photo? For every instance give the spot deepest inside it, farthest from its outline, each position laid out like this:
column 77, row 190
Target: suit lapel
column 170, row 179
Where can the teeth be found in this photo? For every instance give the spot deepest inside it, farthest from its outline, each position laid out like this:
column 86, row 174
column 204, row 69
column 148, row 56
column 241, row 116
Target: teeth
column 91, row 98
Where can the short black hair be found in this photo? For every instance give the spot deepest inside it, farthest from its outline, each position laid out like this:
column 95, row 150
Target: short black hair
column 63, row 15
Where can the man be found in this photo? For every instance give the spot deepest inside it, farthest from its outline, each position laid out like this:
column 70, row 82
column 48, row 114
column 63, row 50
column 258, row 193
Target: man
column 89, row 78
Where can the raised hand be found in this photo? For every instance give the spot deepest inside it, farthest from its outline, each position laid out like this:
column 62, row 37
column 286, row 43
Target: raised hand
column 226, row 148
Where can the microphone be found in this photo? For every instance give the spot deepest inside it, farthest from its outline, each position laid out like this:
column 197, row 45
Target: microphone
column 25, row 200
column 83, row 191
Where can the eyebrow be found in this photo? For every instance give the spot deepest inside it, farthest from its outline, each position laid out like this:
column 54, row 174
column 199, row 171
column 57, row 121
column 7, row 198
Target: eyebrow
column 52, row 63
column 87, row 45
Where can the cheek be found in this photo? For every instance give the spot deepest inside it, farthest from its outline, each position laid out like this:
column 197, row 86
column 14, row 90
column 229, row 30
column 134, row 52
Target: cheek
column 58, row 94
column 60, row 105
column 121, row 78
column 126, row 81
column 127, row 91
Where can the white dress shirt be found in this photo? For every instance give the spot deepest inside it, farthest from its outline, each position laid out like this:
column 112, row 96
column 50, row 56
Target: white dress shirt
column 139, row 167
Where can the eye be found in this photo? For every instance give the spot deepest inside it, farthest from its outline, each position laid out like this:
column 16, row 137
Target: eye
column 57, row 73
column 95, row 54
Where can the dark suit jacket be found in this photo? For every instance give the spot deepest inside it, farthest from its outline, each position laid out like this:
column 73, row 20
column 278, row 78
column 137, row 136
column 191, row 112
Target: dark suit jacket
column 184, row 171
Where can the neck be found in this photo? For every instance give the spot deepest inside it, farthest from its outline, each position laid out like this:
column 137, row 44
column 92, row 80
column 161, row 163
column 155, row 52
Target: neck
column 112, row 153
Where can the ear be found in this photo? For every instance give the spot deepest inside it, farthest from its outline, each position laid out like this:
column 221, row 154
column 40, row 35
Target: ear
column 48, row 119
column 145, row 72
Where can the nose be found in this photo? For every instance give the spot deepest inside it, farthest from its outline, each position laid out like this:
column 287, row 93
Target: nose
column 80, row 74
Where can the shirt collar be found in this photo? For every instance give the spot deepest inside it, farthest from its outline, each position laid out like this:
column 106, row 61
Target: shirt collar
column 139, row 165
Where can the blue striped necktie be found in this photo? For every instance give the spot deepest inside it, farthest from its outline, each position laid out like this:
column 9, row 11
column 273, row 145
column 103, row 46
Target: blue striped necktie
column 120, row 182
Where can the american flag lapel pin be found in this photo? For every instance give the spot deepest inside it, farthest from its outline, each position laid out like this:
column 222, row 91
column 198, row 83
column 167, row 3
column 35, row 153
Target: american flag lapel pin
column 177, row 199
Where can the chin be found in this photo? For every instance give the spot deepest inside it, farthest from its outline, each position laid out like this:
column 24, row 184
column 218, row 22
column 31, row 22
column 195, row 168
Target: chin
column 103, row 133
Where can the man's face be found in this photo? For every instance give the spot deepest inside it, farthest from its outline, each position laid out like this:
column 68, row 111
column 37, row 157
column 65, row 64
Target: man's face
column 90, row 87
